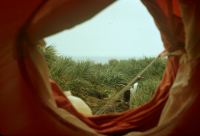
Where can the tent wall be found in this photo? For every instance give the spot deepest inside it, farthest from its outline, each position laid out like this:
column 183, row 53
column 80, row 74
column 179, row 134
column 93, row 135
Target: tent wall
column 30, row 105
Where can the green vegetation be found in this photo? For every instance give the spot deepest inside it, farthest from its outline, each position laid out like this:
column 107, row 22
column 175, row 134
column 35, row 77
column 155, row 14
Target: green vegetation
column 96, row 82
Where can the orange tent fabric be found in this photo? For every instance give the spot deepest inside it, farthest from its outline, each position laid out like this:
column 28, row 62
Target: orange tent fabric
column 31, row 105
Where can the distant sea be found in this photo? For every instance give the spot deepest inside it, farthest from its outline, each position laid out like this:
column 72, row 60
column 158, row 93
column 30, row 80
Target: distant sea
column 97, row 59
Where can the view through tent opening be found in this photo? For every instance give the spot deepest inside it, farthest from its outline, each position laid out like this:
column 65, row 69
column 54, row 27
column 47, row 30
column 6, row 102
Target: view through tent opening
column 111, row 49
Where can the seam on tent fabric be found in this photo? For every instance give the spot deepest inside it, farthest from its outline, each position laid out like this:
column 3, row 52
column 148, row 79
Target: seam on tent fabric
column 23, row 40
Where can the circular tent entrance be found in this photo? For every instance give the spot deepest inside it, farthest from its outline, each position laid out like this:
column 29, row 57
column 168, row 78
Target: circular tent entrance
column 98, row 58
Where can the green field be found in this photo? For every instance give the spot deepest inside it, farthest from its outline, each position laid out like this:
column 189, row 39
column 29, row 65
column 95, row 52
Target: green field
column 96, row 83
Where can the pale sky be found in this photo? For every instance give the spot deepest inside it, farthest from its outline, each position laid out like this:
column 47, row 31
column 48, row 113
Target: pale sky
column 124, row 29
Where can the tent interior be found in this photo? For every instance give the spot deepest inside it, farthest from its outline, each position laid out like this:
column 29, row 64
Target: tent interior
column 31, row 104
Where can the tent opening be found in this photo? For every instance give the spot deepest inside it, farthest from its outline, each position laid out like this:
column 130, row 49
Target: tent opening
column 97, row 59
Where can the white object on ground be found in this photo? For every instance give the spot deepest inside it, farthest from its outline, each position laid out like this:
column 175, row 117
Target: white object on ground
column 78, row 104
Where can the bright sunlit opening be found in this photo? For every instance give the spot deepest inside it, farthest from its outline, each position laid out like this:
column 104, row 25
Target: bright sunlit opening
column 123, row 30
